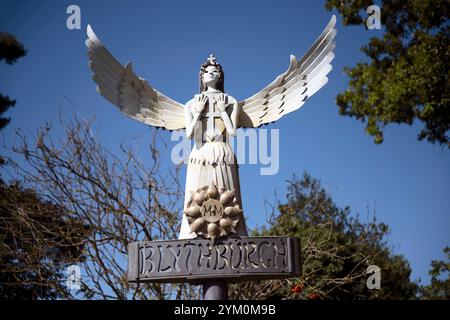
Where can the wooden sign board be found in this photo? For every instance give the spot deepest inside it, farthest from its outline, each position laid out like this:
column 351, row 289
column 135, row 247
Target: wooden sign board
column 231, row 259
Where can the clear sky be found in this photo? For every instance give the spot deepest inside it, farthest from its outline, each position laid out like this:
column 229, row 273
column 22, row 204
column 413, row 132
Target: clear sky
column 405, row 181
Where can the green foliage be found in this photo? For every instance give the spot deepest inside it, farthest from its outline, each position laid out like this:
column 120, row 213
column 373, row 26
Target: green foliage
column 38, row 240
column 10, row 51
column 5, row 104
column 439, row 288
column 407, row 76
column 336, row 250
column 10, row 48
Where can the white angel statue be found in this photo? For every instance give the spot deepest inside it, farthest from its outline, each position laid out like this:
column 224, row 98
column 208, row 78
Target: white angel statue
column 212, row 204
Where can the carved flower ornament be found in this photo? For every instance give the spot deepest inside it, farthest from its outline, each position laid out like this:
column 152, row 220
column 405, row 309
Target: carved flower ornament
column 213, row 212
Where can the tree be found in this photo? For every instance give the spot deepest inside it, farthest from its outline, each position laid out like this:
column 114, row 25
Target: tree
column 119, row 198
column 122, row 199
column 336, row 250
column 10, row 51
column 439, row 288
column 38, row 240
column 407, row 76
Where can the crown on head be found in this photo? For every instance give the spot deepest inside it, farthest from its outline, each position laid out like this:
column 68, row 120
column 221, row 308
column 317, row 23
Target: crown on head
column 212, row 59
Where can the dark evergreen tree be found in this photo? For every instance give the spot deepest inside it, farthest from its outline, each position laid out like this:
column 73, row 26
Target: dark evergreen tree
column 10, row 51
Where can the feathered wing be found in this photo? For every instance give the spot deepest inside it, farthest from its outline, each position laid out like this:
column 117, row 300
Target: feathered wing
column 289, row 91
column 134, row 96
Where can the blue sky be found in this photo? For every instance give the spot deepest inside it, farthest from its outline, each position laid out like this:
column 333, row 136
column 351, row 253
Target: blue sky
column 405, row 181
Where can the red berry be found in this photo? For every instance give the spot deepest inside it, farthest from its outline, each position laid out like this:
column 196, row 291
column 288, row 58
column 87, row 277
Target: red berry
column 298, row 288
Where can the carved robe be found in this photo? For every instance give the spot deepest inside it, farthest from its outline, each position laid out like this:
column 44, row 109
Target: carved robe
column 211, row 161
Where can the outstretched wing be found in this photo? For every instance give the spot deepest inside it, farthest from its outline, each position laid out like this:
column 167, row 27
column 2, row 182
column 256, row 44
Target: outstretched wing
column 134, row 96
column 289, row 91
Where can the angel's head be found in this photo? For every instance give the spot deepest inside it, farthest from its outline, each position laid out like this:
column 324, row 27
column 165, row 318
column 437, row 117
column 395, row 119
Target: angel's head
column 211, row 75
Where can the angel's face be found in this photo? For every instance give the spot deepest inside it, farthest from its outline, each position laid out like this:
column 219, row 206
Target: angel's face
column 211, row 76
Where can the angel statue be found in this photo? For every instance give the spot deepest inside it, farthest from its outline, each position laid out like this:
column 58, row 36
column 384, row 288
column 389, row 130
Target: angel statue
column 212, row 203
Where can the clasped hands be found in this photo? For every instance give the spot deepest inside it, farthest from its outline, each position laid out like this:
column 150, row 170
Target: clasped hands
column 202, row 99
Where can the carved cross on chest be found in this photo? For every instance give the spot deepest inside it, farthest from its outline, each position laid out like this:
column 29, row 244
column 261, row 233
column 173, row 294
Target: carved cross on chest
column 211, row 118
